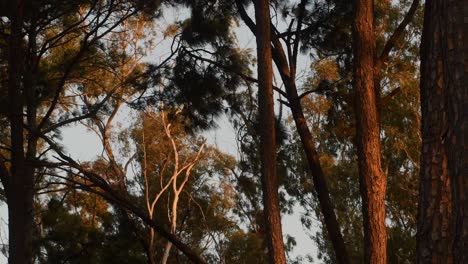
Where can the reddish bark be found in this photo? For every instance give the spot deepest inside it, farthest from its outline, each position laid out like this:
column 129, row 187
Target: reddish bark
column 442, row 235
column 274, row 235
column 372, row 180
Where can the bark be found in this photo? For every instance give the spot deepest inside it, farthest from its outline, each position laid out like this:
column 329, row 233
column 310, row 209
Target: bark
column 442, row 235
column 20, row 187
column 372, row 180
column 274, row 235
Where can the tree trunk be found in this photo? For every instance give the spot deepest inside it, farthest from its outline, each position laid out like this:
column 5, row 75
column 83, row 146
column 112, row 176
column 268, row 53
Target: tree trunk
column 318, row 177
column 274, row 235
column 20, row 189
column 442, row 235
column 372, row 180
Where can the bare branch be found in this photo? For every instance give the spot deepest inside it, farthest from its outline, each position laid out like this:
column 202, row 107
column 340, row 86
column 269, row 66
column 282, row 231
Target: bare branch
column 384, row 100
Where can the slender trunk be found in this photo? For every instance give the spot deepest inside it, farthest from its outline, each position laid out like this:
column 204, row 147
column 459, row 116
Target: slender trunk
column 168, row 247
column 372, row 180
column 442, row 235
column 272, row 214
column 20, row 189
column 318, row 177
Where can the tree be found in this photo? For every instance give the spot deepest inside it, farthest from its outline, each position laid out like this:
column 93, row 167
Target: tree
column 19, row 187
column 52, row 48
column 442, row 235
column 287, row 66
column 373, row 181
column 367, row 67
column 309, row 19
column 154, row 186
column 35, row 35
column 271, row 207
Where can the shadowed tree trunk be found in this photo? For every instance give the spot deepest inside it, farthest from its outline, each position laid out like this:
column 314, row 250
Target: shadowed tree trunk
column 272, row 214
column 20, row 184
column 372, row 180
column 443, row 205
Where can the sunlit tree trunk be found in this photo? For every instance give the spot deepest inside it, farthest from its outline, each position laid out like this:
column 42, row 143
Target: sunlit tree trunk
column 372, row 180
column 442, row 235
column 274, row 236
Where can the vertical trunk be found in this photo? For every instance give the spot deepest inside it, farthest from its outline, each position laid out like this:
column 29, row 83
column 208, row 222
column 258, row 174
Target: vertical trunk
column 372, row 181
column 19, row 193
column 167, row 248
column 443, row 206
column 272, row 214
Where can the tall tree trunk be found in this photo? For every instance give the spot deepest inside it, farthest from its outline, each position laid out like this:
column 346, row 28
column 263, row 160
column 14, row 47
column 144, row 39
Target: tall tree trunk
column 443, row 204
column 318, row 177
column 372, row 180
column 20, row 189
column 274, row 235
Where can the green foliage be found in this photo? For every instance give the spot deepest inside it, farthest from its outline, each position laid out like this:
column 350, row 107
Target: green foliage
column 67, row 237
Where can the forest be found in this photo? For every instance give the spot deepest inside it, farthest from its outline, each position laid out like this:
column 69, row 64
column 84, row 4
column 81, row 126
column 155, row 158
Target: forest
column 233, row 131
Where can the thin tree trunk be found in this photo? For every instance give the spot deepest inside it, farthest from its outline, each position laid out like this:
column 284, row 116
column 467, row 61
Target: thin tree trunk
column 274, row 235
column 442, row 235
column 20, row 190
column 167, row 250
column 372, row 180
column 318, row 177
column 168, row 247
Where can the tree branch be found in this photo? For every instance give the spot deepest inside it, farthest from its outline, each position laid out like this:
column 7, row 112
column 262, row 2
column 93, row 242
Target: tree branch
column 384, row 100
column 396, row 35
column 242, row 75
column 297, row 39
column 115, row 198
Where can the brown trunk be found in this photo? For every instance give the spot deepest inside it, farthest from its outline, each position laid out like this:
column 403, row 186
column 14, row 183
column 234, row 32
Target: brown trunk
column 274, row 235
column 20, row 190
column 372, row 180
column 443, row 206
column 318, row 177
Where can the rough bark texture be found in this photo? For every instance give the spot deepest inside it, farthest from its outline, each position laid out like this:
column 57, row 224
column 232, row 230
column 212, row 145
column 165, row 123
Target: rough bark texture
column 274, row 235
column 372, row 180
column 20, row 187
column 443, row 206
